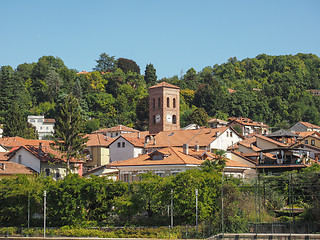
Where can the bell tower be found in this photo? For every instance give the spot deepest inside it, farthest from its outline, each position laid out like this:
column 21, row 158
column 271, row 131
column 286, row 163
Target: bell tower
column 164, row 108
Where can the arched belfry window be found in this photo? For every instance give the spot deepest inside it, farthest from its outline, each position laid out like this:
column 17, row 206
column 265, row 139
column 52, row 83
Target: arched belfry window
column 168, row 102
column 174, row 119
column 154, row 119
column 154, row 103
column 159, row 102
column 174, row 103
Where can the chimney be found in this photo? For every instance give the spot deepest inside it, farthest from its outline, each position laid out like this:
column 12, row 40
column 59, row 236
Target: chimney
column 196, row 148
column 154, row 141
column 186, row 149
column 217, row 133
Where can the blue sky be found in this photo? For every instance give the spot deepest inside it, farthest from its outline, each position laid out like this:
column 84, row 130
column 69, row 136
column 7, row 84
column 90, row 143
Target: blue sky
column 172, row 35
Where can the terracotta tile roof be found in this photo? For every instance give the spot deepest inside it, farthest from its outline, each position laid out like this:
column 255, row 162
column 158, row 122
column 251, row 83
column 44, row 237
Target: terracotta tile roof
column 308, row 133
column 217, row 120
column 248, row 141
column 242, row 155
column 202, row 137
column 48, row 120
column 82, row 72
column 47, row 154
column 280, row 144
column 247, row 122
column 98, row 140
column 231, row 163
column 174, row 157
column 11, row 142
column 309, row 125
column 11, row 168
column 164, row 84
column 116, row 129
column 3, row 156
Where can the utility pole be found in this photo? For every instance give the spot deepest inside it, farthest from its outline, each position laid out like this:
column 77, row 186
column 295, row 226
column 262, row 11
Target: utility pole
column 222, row 215
column 28, row 210
column 197, row 210
column 44, row 212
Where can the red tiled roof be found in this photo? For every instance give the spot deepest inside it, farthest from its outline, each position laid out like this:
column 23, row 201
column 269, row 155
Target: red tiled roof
column 47, row 154
column 175, row 157
column 116, row 129
column 202, row 137
column 3, row 156
column 48, row 120
column 11, row 142
column 98, row 140
column 11, row 168
column 164, row 84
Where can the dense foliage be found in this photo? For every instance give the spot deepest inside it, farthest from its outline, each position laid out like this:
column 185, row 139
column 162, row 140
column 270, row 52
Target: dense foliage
column 101, row 202
column 272, row 89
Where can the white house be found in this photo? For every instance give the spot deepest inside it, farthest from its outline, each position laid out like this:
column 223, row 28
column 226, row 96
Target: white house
column 43, row 159
column 44, row 127
column 127, row 146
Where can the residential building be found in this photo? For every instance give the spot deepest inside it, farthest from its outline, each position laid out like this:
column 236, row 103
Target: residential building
column 44, row 160
column 8, row 143
column 115, row 131
column 248, row 126
column 127, row 146
column 164, row 108
column 215, row 123
column 44, row 127
column 103, row 171
column 97, row 151
column 304, row 127
column 207, row 139
column 165, row 162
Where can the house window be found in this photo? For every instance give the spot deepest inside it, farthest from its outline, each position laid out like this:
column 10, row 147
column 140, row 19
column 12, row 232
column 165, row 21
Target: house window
column 227, row 134
column 47, row 128
column 19, row 159
column 123, row 144
column 312, row 142
column 154, row 103
column 306, row 141
column 174, row 103
column 126, row 177
column 57, row 174
column 160, row 174
column 159, row 102
column 32, row 120
column 230, row 134
column 154, row 119
column 174, row 119
column 119, row 144
column 47, row 170
column 40, row 128
column 168, row 102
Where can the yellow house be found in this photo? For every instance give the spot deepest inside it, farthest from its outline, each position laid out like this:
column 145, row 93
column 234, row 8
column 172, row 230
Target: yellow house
column 97, row 151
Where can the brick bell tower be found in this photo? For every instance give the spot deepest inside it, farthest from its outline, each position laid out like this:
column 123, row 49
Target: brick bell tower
column 164, row 108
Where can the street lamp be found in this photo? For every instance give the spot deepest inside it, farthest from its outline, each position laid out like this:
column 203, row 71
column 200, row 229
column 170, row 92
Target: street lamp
column 197, row 210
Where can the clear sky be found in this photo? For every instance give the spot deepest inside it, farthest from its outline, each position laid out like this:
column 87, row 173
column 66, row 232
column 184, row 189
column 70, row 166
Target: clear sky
column 173, row 35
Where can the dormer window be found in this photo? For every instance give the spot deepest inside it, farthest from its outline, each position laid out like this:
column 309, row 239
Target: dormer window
column 157, row 157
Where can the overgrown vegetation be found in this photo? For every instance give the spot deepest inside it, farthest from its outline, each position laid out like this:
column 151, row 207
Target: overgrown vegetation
column 271, row 89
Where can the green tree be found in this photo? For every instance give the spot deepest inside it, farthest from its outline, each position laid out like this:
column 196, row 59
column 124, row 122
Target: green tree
column 53, row 83
column 67, row 132
column 15, row 122
column 199, row 116
column 150, row 76
column 128, row 65
column 105, row 63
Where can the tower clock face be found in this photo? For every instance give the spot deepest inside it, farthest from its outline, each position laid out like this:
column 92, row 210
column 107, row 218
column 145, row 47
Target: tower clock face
column 158, row 118
column 169, row 118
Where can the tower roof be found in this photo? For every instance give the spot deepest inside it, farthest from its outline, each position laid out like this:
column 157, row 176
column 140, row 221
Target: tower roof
column 164, row 84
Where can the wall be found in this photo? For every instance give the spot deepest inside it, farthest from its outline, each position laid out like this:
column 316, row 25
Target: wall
column 27, row 159
column 121, row 153
column 223, row 141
